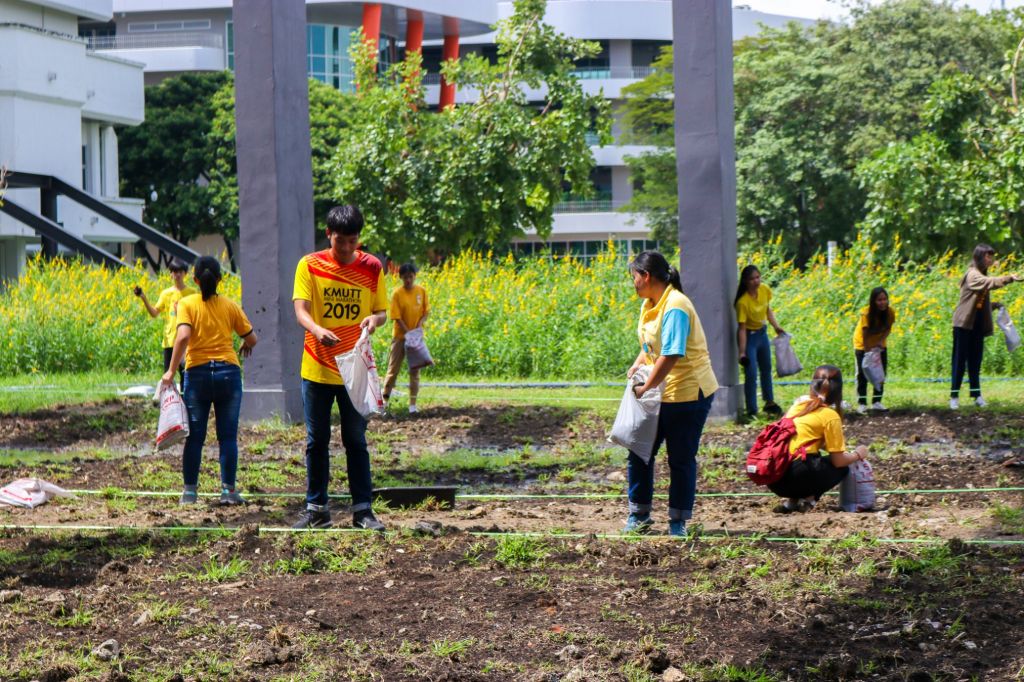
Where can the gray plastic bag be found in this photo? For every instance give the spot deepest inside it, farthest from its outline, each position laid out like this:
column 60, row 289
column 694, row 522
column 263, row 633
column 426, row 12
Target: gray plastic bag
column 857, row 491
column 636, row 424
column 874, row 371
column 1009, row 331
column 786, row 362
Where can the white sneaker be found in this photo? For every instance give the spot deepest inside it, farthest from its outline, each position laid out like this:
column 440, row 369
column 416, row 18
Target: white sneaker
column 412, row 409
column 879, row 407
column 954, row 403
column 862, row 409
column 980, row 402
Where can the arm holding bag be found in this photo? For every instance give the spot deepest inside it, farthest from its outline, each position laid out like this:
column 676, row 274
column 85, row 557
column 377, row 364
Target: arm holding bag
column 636, row 424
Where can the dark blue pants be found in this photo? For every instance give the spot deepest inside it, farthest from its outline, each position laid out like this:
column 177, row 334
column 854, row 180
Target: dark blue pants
column 679, row 426
column 318, row 401
column 218, row 384
column 968, row 349
column 759, row 356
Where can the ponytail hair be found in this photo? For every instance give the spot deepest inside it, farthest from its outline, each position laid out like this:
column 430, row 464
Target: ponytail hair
column 656, row 265
column 745, row 276
column 208, row 274
column 826, row 390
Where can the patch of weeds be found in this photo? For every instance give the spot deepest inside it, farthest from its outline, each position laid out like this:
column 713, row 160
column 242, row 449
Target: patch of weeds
column 474, row 554
column 633, row 672
column 1010, row 518
column 79, row 618
column 866, row 568
column 938, row 559
column 9, row 557
column 213, row 571
column 956, row 627
column 537, row 581
column 162, row 611
column 153, row 475
column 451, row 649
column 293, row 566
column 118, row 500
column 351, row 558
column 56, row 556
column 657, row 585
column 520, row 551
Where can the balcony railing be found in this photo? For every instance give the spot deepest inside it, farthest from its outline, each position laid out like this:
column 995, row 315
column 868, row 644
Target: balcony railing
column 591, row 206
column 583, row 73
column 144, row 41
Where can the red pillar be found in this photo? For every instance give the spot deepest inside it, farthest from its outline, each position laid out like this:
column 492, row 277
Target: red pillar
column 371, row 24
column 414, row 32
column 450, row 51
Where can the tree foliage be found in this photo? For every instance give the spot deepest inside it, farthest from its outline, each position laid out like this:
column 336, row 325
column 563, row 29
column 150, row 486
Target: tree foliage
column 480, row 174
column 814, row 103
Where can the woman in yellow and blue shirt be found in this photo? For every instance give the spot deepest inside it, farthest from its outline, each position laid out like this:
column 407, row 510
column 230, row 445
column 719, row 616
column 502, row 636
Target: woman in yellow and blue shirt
column 753, row 313
column 672, row 342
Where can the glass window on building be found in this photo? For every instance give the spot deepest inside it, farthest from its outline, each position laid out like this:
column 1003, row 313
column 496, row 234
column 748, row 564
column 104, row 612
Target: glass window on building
column 646, row 51
column 598, row 66
column 327, row 57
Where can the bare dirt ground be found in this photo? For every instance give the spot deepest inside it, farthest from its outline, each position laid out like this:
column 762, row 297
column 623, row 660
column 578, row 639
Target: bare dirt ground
column 928, row 587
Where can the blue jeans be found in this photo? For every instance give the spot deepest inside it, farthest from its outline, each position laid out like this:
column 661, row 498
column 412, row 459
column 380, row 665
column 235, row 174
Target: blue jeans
column 318, row 402
column 679, row 426
column 219, row 384
column 759, row 354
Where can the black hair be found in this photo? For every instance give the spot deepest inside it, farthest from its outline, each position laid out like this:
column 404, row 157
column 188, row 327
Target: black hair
column 878, row 320
column 208, row 274
column 826, row 390
column 980, row 251
column 655, row 265
column 745, row 276
column 345, row 219
column 407, row 269
column 177, row 265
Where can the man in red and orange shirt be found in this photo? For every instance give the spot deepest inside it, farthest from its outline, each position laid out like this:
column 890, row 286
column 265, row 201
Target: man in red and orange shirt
column 338, row 292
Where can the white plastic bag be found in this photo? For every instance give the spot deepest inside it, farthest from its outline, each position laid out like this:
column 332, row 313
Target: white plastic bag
column 416, row 352
column 873, row 369
column 30, row 492
column 636, row 424
column 359, row 373
column 786, row 362
column 1009, row 331
column 857, row 491
column 173, row 425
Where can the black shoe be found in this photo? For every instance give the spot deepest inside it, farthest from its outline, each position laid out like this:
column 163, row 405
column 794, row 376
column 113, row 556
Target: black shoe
column 367, row 521
column 310, row 518
column 772, row 409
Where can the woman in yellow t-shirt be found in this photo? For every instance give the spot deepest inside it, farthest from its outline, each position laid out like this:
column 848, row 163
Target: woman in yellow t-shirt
column 409, row 310
column 753, row 313
column 673, row 345
column 213, row 377
column 820, row 460
column 872, row 330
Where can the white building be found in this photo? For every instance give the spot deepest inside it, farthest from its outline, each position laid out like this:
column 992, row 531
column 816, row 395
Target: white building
column 59, row 104
column 175, row 36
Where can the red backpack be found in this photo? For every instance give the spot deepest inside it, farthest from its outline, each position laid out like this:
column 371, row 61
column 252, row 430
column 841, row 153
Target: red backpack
column 769, row 456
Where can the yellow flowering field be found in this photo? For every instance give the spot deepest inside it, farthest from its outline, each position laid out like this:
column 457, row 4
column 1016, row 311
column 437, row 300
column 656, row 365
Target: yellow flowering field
column 534, row 318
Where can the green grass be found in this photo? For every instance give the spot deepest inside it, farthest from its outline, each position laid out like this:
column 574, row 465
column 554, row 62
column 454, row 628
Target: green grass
column 214, row 571
column 27, row 392
column 520, row 551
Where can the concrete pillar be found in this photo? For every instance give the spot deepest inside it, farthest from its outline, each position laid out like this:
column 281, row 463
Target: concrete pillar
column 110, row 186
column 275, row 194
column 449, row 51
column 48, row 209
column 705, row 161
column 371, row 23
column 620, row 58
column 622, row 185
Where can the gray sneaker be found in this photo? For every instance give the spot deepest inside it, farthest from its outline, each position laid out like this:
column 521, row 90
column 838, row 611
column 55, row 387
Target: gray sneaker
column 189, row 497
column 310, row 518
column 367, row 521
column 230, row 497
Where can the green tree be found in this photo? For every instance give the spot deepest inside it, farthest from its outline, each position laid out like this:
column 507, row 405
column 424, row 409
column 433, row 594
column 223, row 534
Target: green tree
column 813, row 103
column 170, row 154
column 476, row 175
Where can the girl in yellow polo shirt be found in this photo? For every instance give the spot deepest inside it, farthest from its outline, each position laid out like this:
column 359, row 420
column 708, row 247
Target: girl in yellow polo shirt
column 409, row 310
column 672, row 342
column 207, row 323
column 819, row 427
column 753, row 313
column 872, row 330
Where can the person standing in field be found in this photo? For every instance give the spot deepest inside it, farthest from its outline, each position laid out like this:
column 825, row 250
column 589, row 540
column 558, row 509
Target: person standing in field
column 338, row 293
column 972, row 322
column 168, row 303
column 820, row 461
column 409, row 310
column 753, row 313
column 672, row 343
column 872, row 330
column 213, row 377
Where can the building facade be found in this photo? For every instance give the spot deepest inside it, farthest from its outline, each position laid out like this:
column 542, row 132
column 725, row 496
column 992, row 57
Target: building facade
column 175, row 36
column 59, row 105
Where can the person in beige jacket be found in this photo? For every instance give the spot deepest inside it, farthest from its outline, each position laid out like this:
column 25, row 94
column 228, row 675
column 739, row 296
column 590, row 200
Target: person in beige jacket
column 972, row 322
